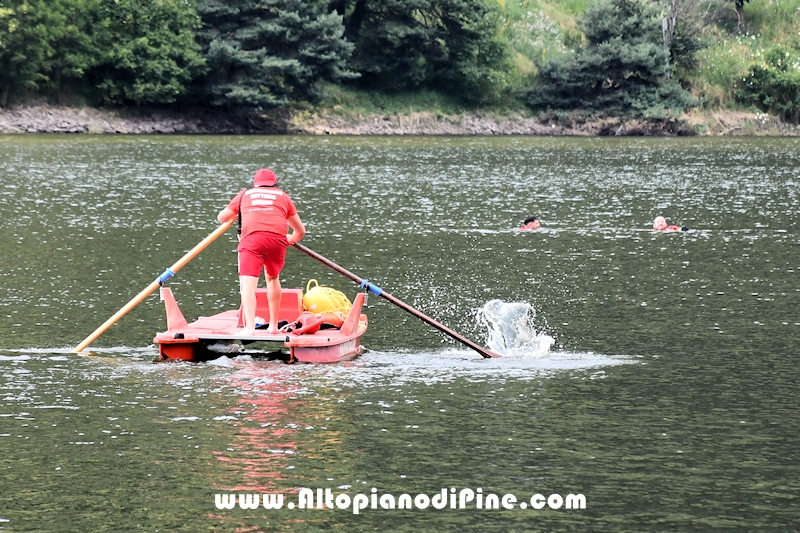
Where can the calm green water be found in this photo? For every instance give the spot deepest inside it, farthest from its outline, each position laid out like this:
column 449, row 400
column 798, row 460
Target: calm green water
column 669, row 398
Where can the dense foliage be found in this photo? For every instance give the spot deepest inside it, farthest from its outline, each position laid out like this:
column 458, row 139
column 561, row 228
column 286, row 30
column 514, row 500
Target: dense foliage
column 622, row 70
column 148, row 51
column 774, row 84
column 625, row 58
column 118, row 51
column 450, row 45
column 252, row 54
column 263, row 54
column 75, row 50
column 25, row 45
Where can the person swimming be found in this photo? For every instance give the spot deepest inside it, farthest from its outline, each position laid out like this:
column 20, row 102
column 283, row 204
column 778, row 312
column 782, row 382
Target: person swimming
column 530, row 223
column 660, row 224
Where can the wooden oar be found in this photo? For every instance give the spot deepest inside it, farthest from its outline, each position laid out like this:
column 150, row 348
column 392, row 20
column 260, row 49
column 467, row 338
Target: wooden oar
column 399, row 303
column 168, row 273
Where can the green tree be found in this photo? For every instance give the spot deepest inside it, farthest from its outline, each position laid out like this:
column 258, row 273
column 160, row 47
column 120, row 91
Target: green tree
column 774, row 83
column 150, row 50
column 268, row 53
column 74, row 50
column 449, row 45
column 24, row 45
column 621, row 71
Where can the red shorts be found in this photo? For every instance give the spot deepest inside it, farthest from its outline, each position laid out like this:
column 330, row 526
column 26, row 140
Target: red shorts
column 262, row 249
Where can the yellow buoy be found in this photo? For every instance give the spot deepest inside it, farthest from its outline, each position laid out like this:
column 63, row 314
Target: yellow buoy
column 320, row 299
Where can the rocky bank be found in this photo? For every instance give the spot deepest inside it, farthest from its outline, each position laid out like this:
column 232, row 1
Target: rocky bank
column 52, row 119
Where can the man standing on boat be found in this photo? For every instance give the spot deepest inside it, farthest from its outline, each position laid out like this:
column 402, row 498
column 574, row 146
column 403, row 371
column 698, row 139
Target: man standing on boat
column 265, row 214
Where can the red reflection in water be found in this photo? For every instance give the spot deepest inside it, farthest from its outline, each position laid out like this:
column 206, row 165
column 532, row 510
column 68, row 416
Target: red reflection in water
column 264, row 442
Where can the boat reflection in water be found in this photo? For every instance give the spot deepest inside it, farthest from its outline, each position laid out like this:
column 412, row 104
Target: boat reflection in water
column 263, row 441
column 268, row 425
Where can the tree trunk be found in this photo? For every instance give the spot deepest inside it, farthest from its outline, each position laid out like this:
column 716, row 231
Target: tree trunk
column 4, row 95
column 59, row 90
column 665, row 32
column 740, row 24
column 668, row 24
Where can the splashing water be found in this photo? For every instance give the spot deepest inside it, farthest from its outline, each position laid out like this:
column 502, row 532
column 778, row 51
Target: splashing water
column 511, row 331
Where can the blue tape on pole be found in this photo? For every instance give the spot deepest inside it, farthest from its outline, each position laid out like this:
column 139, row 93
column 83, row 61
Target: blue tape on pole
column 168, row 273
column 365, row 284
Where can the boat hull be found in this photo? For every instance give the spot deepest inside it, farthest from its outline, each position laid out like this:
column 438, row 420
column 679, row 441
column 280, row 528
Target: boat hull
column 328, row 354
column 196, row 341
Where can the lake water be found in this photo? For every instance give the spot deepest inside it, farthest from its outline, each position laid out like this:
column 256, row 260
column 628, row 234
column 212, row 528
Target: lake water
column 668, row 397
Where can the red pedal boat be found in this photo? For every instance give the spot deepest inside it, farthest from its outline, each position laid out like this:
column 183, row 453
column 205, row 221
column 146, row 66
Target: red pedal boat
column 308, row 339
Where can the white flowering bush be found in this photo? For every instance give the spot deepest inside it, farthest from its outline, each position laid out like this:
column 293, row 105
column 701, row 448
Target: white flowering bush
column 773, row 82
column 535, row 35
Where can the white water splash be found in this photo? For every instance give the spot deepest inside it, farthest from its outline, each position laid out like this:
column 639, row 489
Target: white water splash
column 511, row 331
column 221, row 361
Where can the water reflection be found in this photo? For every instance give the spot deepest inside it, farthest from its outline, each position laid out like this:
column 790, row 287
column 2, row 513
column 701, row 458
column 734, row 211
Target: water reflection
column 262, row 425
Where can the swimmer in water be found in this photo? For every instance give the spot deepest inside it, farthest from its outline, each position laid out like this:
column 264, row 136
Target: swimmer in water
column 660, row 224
column 530, row 223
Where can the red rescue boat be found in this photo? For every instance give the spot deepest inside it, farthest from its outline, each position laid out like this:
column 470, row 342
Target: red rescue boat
column 307, row 336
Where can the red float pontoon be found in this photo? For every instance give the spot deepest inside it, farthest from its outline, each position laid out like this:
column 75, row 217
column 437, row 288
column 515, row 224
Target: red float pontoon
column 308, row 338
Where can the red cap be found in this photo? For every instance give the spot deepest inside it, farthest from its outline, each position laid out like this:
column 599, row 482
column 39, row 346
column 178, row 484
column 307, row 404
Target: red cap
column 265, row 177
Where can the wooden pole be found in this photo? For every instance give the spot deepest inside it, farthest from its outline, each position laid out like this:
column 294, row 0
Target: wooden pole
column 191, row 254
column 399, row 303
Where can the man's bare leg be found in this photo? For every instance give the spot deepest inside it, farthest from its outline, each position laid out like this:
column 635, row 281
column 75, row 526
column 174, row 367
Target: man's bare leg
column 247, row 290
column 274, row 302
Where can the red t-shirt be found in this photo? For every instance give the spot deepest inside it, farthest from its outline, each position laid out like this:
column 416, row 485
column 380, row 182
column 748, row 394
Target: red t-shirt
column 264, row 209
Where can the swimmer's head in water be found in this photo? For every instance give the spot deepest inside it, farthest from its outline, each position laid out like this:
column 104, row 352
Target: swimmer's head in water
column 659, row 223
column 531, row 222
